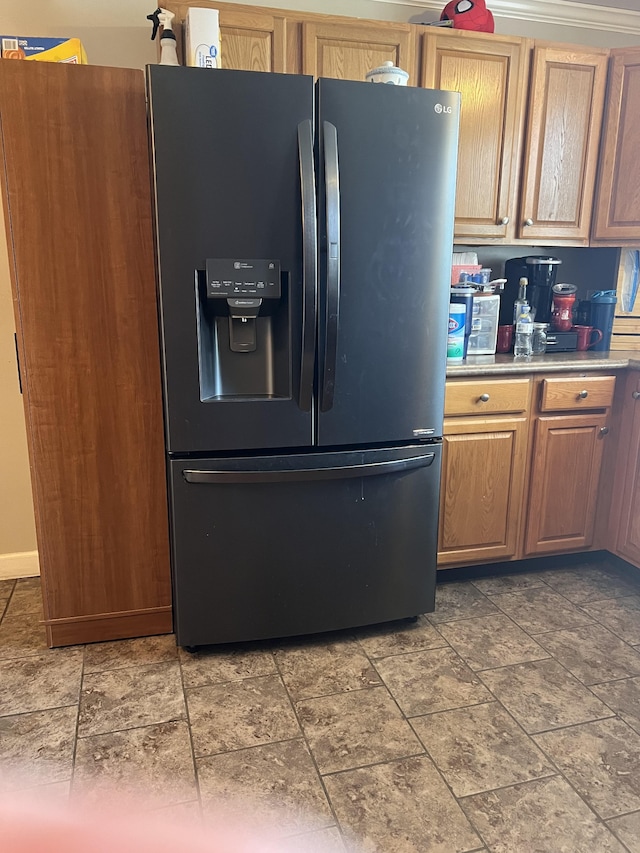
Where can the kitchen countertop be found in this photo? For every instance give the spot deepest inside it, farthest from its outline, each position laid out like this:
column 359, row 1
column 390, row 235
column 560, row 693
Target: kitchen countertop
column 559, row 362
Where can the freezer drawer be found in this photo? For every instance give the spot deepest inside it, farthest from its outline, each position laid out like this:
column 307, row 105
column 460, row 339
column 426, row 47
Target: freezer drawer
column 279, row 546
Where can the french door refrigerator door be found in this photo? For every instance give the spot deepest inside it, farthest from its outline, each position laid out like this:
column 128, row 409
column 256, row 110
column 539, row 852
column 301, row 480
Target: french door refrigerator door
column 279, row 546
column 387, row 166
column 234, row 184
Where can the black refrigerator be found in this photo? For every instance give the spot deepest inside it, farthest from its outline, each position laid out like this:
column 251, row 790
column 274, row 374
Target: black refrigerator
column 304, row 237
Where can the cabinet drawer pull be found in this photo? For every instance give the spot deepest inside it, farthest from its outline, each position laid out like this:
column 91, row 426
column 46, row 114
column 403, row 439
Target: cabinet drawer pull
column 528, row 222
column 636, row 395
column 583, row 395
column 604, row 431
column 505, row 220
column 484, row 398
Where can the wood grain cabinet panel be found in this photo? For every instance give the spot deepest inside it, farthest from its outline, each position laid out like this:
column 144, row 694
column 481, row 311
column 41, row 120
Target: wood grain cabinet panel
column 491, row 76
column 566, row 103
column 627, row 480
column 483, row 471
column 347, row 50
column 79, row 222
column 250, row 41
column 617, row 213
column 564, row 478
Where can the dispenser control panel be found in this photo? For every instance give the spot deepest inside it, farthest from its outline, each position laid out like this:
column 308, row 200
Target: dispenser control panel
column 232, row 277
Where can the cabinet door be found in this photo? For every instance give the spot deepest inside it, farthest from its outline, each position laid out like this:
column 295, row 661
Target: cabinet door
column 617, row 214
column 565, row 471
column 481, row 491
column 628, row 542
column 252, row 41
column 566, row 102
column 491, row 75
column 348, row 50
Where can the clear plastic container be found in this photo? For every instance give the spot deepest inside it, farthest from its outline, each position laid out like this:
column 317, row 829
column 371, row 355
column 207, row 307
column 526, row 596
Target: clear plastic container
column 539, row 342
column 484, row 325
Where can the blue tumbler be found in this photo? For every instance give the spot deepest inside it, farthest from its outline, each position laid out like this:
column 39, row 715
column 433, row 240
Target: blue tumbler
column 603, row 309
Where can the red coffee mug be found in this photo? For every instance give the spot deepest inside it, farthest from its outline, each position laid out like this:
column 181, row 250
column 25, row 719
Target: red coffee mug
column 584, row 336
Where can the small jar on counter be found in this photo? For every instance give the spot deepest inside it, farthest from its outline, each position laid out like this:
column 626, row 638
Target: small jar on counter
column 539, row 342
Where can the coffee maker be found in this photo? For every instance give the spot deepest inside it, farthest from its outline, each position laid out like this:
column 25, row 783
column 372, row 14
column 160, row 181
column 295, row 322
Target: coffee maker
column 540, row 271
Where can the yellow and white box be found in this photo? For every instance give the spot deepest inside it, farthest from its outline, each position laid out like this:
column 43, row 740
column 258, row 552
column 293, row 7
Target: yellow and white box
column 202, row 38
column 43, row 49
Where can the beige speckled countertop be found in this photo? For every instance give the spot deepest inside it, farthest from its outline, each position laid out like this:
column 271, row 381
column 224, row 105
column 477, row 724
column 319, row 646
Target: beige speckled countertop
column 559, row 362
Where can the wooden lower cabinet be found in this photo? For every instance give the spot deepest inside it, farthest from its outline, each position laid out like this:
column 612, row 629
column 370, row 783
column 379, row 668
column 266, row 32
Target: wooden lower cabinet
column 564, row 478
column 484, row 463
column 627, row 544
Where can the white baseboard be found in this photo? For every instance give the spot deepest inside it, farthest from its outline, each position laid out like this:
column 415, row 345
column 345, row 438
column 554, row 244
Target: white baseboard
column 23, row 564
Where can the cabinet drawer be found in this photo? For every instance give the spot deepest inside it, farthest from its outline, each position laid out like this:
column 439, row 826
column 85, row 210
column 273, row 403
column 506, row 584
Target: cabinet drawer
column 585, row 392
column 486, row 396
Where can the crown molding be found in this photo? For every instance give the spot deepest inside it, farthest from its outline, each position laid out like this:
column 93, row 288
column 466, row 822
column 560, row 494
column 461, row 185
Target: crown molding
column 564, row 13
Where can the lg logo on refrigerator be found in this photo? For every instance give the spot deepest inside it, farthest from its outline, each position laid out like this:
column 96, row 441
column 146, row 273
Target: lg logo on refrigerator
column 439, row 108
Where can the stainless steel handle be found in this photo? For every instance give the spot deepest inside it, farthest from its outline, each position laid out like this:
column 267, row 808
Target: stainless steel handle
column 505, row 220
column 636, row 395
column 484, row 398
column 309, row 262
column 369, row 469
column 582, row 395
column 528, row 222
column 332, row 195
column 604, row 431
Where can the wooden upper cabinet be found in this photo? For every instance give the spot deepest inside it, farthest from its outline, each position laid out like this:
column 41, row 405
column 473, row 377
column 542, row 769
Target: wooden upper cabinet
column 566, row 103
column 251, row 41
column 347, row 50
column 491, row 76
column 617, row 212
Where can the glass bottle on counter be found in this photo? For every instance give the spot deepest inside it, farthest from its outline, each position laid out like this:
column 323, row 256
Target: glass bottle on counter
column 539, row 342
column 524, row 332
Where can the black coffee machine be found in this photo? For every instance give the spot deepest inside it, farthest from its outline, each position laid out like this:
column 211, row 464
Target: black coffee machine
column 541, row 271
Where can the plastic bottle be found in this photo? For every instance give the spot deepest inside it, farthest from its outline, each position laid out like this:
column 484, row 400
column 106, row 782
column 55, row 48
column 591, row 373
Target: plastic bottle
column 524, row 332
column 455, row 338
column 164, row 18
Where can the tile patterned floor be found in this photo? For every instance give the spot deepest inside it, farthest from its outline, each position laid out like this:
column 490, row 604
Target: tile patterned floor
column 507, row 721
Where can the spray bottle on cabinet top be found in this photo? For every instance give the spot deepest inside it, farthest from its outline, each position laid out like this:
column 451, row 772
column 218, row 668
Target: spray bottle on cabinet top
column 168, row 52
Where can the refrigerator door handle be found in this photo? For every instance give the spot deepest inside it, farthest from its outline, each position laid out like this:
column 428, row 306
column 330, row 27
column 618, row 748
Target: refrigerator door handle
column 332, row 195
column 309, row 262
column 340, row 472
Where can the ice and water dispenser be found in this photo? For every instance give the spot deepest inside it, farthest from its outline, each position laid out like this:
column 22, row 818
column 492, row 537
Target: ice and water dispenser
column 243, row 329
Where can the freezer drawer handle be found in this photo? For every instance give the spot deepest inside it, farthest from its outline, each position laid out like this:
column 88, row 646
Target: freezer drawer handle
column 332, row 195
column 310, row 262
column 341, row 472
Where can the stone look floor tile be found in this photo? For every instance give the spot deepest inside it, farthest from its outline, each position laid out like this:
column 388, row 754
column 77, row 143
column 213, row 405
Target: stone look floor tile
column 620, row 615
column 542, row 695
column 21, row 636
column 123, row 653
column 435, row 680
column 238, row 714
column 274, row 786
column 37, row 748
column 395, row 638
column 26, row 598
column 318, row 669
column 540, row 609
column 135, row 769
column 460, row 601
column 508, row 583
column 489, row 641
column 480, row 748
column 127, row 698
column 538, row 817
column 36, row 683
column 348, row 730
column 602, row 762
column 219, row 664
column 592, row 654
column 583, row 584
column 627, row 828
column 403, row 806
column 321, row 841
column 623, row 697
column 6, row 588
